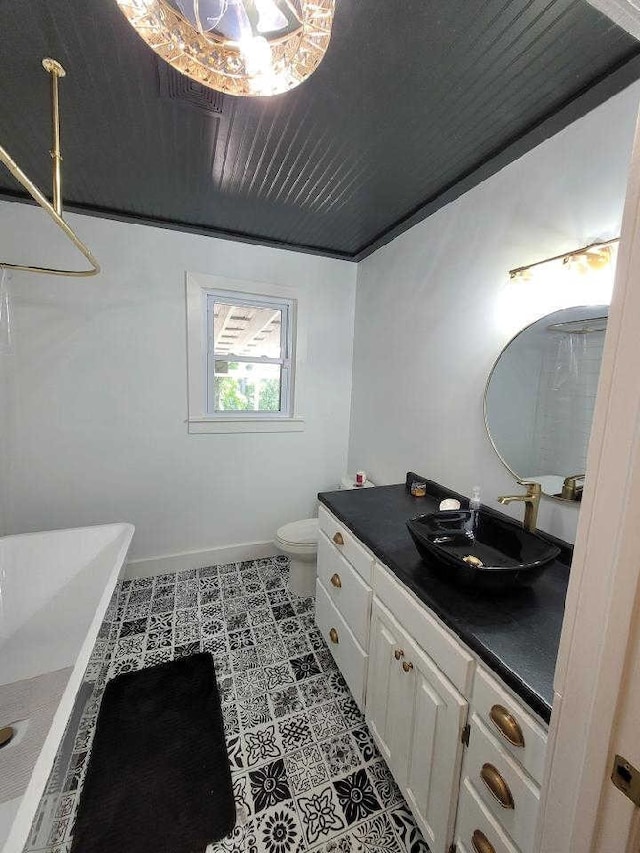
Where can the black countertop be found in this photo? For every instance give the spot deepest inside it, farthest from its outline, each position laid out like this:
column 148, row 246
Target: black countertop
column 516, row 633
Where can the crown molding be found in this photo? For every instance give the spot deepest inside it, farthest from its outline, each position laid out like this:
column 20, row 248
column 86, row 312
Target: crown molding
column 625, row 13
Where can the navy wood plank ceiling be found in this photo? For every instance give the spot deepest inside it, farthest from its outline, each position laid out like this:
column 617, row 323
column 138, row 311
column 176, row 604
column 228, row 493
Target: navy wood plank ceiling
column 415, row 102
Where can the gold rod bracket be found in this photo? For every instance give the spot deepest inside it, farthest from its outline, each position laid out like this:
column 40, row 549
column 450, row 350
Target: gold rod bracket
column 53, row 67
column 56, row 71
column 53, row 210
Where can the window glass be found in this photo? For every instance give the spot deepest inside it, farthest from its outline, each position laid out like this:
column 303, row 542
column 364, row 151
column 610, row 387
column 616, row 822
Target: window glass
column 247, row 387
column 246, row 330
column 248, row 355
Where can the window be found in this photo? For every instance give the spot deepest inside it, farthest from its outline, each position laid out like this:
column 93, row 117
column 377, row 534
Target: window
column 246, row 345
column 249, row 343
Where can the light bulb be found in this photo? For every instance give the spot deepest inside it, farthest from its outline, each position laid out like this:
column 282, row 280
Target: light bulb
column 597, row 259
column 270, row 19
column 257, row 55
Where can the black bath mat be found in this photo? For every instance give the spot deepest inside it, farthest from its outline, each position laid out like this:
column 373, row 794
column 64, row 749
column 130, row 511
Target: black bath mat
column 158, row 779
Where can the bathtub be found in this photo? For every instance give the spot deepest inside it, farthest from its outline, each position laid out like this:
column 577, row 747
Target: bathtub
column 55, row 588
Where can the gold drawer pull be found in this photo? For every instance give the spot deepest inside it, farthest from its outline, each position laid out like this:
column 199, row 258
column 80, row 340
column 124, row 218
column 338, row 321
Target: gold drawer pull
column 6, row 735
column 335, row 581
column 399, row 653
column 507, row 725
column 333, row 636
column 407, row 666
column 481, row 843
column 338, row 538
column 497, row 787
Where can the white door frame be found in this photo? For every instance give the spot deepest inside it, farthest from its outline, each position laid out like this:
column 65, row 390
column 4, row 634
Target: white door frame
column 603, row 586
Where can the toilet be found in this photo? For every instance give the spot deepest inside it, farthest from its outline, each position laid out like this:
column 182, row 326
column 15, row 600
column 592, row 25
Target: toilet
column 299, row 541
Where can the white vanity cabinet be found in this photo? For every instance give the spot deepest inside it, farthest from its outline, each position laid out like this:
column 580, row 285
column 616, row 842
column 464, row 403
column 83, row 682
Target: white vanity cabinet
column 416, row 716
column 455, row 739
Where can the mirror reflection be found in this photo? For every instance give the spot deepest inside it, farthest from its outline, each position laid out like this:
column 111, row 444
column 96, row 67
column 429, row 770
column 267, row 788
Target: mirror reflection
column 540, row 398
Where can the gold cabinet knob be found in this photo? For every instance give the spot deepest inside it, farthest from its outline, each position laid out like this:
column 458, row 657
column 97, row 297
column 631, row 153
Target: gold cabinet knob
column 335, row 581
column 407, row 666
column 481, row 843
column 506, row 725
column 333, row 636
column 338, row 538
column 497, row 786
column 6, row 734
column 399, row 653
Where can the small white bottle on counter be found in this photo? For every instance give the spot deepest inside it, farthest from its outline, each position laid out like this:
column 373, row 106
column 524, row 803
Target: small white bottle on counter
column 474, row 507
column 474, row 503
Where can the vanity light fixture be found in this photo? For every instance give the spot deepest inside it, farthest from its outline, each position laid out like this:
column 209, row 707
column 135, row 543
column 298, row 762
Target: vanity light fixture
column 593, row 257
column 239, row 47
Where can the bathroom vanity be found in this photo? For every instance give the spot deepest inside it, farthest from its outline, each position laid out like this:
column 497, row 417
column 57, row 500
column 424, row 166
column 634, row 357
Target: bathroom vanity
column 456, row 685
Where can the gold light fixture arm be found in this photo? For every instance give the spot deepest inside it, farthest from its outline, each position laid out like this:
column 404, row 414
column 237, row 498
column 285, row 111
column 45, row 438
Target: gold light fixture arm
column 54, row 210
column 598, row 245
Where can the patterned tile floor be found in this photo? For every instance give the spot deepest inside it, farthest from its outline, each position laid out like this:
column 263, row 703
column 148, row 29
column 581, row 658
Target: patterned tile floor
column 306, row 773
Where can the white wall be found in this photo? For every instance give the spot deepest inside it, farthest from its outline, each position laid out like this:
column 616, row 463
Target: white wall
column 434, row 307
column 96, row 395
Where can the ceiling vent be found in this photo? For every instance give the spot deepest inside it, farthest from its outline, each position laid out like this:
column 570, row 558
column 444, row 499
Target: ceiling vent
column 176, row 87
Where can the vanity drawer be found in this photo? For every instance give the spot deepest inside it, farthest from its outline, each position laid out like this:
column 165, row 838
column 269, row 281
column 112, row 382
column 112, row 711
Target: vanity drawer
column 346, row 589
column 506, row 719
column 486, row 758
column 347, row 652
column 476, row 829
column 445, row 650
column 346, row 544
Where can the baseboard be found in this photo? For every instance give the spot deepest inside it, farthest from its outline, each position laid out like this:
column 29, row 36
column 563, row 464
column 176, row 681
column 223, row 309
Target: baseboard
column 148, row 567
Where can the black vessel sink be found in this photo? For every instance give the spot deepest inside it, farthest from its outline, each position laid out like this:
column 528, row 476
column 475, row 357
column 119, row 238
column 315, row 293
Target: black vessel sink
column 475, row 547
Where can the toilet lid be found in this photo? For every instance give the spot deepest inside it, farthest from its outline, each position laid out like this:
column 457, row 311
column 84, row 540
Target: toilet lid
column 303, row 532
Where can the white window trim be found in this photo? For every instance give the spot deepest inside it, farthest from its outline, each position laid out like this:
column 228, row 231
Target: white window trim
column 198, row 285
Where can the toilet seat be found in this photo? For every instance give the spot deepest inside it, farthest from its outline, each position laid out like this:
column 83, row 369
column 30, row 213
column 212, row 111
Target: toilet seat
column 302, row 535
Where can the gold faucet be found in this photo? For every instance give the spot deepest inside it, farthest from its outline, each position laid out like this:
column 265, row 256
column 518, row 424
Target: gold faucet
column 531, row 500
column 572, row 488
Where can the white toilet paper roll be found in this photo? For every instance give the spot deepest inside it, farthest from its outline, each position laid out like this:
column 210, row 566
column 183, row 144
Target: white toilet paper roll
column 449, row 503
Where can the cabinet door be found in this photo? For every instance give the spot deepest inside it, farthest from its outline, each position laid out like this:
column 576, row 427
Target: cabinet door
column 416, row 716
column 388, row 693
column 434, row 756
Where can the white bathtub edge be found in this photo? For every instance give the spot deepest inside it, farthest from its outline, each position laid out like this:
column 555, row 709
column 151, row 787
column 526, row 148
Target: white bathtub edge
column 21, row 826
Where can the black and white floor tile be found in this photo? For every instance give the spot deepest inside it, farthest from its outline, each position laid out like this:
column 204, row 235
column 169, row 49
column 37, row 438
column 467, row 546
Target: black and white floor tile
column 306, row 772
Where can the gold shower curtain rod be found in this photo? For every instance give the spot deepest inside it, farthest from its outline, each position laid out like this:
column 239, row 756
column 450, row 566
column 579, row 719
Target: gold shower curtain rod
column 56, row 71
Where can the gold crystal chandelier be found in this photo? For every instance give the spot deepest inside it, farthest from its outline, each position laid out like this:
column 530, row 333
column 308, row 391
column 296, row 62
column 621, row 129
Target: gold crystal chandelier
column 241, row 47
